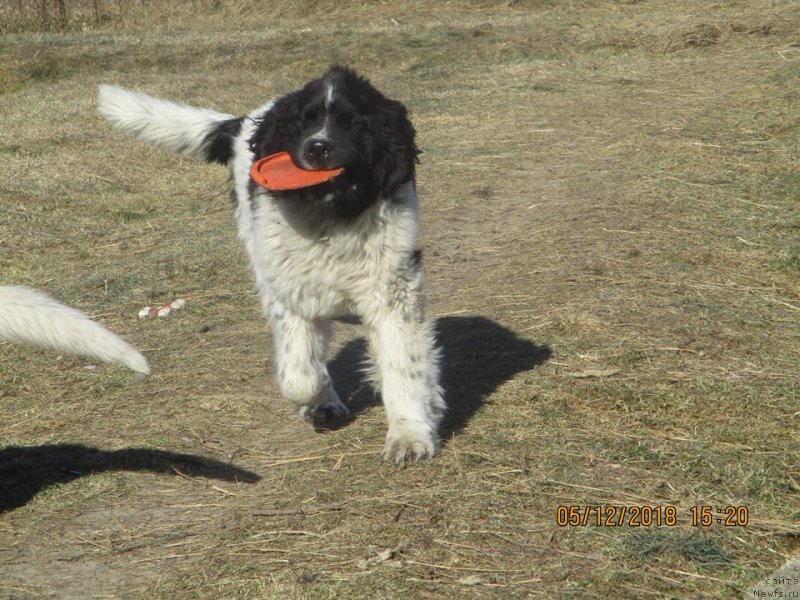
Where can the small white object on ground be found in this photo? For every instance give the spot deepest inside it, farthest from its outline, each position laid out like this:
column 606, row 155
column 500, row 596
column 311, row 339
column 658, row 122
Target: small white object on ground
column 163, row 310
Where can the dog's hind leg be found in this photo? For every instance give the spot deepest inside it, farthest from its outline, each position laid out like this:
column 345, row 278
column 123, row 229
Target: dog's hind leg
column 300, row 347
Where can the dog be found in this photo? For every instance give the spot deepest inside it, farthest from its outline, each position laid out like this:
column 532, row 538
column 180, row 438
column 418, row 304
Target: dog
column 345, row 246
column 29, row 316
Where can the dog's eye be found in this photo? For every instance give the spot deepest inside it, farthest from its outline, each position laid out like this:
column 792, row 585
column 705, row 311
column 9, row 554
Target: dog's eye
column 310, row 115
column 344, row 118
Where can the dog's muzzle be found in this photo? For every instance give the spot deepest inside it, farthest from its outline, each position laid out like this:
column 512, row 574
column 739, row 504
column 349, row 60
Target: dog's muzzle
column 317, row 153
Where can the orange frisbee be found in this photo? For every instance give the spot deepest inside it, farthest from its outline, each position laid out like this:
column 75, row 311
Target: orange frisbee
column 278, row 172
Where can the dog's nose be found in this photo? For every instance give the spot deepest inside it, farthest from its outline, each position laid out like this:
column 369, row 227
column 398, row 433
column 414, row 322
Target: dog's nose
column 317, row 151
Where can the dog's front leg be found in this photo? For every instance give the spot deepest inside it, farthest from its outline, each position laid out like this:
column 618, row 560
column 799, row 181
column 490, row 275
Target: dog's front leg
column 300, row 346
column 407, row 361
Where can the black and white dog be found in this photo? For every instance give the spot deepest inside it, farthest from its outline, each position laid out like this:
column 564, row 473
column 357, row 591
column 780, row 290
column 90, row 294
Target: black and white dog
column 341, row 247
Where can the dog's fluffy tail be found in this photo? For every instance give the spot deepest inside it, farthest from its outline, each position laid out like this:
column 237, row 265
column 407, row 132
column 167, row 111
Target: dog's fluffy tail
column 197, row 132
column 31, row 317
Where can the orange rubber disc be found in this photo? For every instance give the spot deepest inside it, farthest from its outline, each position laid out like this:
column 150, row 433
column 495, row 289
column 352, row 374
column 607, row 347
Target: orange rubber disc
column 278, row 172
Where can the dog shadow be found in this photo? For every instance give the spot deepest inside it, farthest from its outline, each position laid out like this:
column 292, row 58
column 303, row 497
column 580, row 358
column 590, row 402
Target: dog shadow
column 478, row 355
column 26, row 470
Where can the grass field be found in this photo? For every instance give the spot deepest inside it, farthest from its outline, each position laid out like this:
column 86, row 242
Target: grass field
column 612, row 245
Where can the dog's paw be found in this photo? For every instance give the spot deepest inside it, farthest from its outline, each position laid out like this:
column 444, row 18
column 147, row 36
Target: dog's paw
column 409, row 441
column 331, row 409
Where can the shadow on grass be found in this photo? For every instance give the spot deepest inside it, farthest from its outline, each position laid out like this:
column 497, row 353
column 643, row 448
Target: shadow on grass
column 26, row 470
column 478, row 355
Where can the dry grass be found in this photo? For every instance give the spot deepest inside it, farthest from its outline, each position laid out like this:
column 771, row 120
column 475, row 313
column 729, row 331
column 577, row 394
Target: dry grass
column 611, row 235
column 95, row 15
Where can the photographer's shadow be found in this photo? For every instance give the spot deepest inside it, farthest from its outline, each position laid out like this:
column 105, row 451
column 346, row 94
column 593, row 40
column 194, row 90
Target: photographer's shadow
column 26, row 470
column 478, row 355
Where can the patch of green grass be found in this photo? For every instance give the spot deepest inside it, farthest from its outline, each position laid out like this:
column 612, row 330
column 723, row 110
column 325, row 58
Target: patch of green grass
column 11, row 149
column 791, row 260
column 694, row 546
column 126, row 217
column 45, row 69
column 783, row 187
column 632, row 452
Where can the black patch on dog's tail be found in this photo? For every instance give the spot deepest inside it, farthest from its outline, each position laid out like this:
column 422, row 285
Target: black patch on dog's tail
column 219, row 140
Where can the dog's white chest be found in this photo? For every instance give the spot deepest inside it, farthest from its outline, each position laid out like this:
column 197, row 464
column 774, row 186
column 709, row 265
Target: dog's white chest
column 321, row 269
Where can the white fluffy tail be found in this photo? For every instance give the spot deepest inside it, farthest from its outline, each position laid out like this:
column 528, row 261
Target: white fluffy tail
column 169, row 126
column 29, row 316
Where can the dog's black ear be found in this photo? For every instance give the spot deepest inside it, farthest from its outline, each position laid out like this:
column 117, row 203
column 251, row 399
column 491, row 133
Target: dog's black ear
column 396, row 152
column 278, row 128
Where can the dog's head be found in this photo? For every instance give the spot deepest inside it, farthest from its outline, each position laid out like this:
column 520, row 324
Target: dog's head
column 341, row 120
